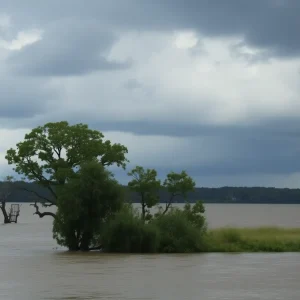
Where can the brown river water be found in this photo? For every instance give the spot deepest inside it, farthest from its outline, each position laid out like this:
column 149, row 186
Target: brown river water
column 34, row 268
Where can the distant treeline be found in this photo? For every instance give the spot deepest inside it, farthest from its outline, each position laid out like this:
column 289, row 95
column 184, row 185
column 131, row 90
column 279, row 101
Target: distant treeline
column 207, row 195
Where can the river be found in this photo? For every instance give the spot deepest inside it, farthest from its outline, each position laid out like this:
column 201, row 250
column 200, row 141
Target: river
column 34, row 268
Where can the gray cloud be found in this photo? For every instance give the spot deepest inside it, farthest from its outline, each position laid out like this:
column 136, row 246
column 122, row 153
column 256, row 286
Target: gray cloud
column 68, row 47
column 78, row 38
column 268, row 24
column 272, row 147
column 269, row 148
column 133, row 84
column 24, row 98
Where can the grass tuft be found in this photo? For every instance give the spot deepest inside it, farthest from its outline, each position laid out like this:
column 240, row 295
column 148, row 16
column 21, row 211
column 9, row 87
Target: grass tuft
column 261, row 239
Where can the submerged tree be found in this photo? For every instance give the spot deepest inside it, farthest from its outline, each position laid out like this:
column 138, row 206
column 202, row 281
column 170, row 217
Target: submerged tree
column 178, row 185
column 51, row 154
column 84, row 204
column 147, row 186
column 6, row 189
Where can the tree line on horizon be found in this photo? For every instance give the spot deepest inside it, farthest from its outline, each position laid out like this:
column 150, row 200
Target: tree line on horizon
column 207, row 195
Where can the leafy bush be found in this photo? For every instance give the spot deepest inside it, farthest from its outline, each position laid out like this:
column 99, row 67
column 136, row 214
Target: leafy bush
column 181, row 231
column 195, row 215
column 126, row 232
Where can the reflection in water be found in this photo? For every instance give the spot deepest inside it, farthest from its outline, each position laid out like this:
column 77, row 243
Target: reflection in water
column 32, row 270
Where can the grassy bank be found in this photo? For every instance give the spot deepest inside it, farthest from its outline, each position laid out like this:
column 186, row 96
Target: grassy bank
column 263, row 239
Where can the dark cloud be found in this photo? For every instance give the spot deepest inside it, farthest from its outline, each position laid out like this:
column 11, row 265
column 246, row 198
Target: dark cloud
column 269, row 148
column 67, row 48
column 271, row 25
column 24, row 98
column 78, row 36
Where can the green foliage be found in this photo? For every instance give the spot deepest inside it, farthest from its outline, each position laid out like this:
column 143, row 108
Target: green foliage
column 85, row 203
column 50, row 154
column 178, row 184
column 177, row 233
column 147, row 186
column 127, row 233
column 195, row 214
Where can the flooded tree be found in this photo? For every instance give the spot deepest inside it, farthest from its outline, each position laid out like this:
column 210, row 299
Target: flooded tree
column 6, row 188
column 84, row 204
column 51, row 154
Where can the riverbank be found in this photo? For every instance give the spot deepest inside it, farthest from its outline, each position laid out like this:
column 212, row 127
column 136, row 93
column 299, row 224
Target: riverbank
column 262, row 239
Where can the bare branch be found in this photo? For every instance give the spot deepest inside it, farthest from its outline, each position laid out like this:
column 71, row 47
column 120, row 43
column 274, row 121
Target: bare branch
column 42, row 214
column 47, row 204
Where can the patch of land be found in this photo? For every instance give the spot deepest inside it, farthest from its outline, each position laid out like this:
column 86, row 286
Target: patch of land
column 262, row 239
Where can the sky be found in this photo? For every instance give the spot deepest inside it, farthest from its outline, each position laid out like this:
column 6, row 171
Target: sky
column 210, row 87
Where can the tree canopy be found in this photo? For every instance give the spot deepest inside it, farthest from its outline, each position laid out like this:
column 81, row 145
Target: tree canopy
column 51, row 154
column 146, row 185
column 178, row 184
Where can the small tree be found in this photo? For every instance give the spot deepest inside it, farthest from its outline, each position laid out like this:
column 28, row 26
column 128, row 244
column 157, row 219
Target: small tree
column 85, row 203
column 177, row 184
column 147, row 186
column 51, row 154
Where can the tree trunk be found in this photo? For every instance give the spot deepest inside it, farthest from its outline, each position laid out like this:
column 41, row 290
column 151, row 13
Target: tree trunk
column 85, row 241
column 5, row 215
column 143, row 211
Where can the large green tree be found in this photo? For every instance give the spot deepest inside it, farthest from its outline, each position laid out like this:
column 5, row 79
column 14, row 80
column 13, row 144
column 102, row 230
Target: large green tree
column 51, row 154
column 84, row 205
column 147, row 186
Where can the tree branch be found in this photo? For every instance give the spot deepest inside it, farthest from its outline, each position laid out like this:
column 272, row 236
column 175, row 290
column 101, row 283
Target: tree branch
column 169, row 203
column 40, row 214
column 39, row 196
column 42, row 178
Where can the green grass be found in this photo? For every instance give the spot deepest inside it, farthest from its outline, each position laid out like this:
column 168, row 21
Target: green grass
column 262, row 239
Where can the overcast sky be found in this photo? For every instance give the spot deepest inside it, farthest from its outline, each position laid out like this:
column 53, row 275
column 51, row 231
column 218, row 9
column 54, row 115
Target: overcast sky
column 211, row 87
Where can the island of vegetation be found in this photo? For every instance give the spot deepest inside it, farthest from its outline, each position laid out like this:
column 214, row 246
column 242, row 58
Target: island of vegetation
column 69, row 163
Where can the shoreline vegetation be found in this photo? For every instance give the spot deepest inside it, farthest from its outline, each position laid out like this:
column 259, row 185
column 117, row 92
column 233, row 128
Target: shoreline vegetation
column 256, row 239
column 95, row 212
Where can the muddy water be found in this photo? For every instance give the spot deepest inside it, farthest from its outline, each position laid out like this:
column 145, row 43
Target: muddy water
column 33, row 268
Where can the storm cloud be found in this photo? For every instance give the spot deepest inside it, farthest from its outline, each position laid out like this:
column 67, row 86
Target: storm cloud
column 78, row 49
column 211, row 87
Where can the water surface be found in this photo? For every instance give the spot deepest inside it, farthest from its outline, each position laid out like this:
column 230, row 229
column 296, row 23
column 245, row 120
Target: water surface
column 33, row 268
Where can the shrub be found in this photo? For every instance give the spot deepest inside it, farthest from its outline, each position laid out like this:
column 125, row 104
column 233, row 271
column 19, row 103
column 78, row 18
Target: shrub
column 179, row 233
column 195, row 215
column 127, row 233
